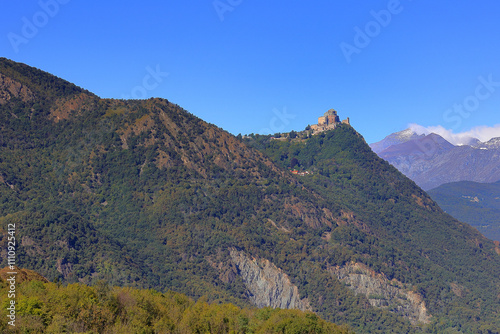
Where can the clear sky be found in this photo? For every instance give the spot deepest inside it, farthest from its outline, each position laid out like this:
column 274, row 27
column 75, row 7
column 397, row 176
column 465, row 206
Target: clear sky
column 269, row 66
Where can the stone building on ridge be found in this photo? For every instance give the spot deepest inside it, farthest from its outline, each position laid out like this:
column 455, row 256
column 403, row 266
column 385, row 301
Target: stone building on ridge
column 330, row 117
column 328, row 121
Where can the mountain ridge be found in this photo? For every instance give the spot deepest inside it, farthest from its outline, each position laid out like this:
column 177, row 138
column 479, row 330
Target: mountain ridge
column 430, row 160
column 171, row 196
column 394, row 139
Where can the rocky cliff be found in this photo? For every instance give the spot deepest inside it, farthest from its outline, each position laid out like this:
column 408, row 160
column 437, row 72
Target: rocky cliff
column 383, row 293
column 267, row 284
column 10, row 88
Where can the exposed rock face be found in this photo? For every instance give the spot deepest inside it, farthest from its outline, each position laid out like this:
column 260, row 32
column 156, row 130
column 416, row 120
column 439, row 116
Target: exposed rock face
column 267, row 285
column 10, row 88
column 65, row 107
column 382, row 293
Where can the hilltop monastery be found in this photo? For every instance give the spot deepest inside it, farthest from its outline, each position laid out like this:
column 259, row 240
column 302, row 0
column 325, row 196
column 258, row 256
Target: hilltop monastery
column 328, row 121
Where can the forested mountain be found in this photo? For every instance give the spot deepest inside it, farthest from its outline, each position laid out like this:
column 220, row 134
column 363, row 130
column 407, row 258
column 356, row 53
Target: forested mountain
column 144, row 194
column 475, row 203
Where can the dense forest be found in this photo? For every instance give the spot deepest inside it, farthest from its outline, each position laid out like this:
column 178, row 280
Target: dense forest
column 45, row 307
column 474, row 203
column 142, row 194
column 338, row 162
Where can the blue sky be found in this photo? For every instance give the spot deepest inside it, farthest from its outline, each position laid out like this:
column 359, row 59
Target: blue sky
column 269, row 66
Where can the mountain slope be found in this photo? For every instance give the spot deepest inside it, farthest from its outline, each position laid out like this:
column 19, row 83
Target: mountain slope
column 475, row 203
column 395, row 139
column 390, row 213
column 177, row 192
column 204, row 213
column 431, row 161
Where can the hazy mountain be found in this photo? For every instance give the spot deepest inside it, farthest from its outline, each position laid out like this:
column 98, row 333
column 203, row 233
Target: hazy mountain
column 144, row 193
column 422, row 147
column 395, row 139
column 493, row 143
column 475, row 203
column 430, row 160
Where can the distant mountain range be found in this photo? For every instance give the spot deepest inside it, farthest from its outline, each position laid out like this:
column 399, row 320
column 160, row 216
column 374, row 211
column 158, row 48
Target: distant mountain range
column 431, row 161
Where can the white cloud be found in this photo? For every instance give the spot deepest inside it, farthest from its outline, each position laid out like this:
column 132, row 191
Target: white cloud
column 483, row 133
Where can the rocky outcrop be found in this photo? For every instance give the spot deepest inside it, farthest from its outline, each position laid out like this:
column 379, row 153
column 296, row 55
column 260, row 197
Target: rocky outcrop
column 10, row 88
column 383, row 293
column 65, row 107
column 267, row 284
